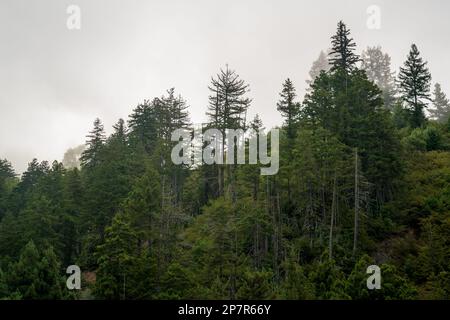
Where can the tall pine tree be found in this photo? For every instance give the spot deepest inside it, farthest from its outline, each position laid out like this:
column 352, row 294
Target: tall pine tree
column 415, row 86
column 342, row 54
column 378, row 69
column 288, row 108
column 96, row 139
column 441, row 105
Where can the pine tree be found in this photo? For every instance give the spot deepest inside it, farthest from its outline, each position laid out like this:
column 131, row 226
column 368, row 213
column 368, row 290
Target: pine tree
column 227, row 109
column 288, row 108
column 74, row 197
column 296, row 285
column 36, row 275
column 143, row 125
column 415, row 86
column 40, row 222
column 256, row 286
column 228, row 105
column 256, row 124
column 118, row 260
column 7, row 180
column 176, row 113
column 378, row 69
column 22, row 193
column 6, row 170
column 95, row 142
column 441, row 105
column 143, row 204
column 120, row 131
column 341, row 55
column 107, row 185
column 319, row 65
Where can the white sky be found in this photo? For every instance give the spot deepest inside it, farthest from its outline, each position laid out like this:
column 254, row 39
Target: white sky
column 55, row 81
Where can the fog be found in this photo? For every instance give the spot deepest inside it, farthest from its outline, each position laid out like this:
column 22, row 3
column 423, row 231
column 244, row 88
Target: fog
column 55, row 81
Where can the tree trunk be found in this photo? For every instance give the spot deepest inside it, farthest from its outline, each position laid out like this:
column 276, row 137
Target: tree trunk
column 355, row 235
column 333, row 210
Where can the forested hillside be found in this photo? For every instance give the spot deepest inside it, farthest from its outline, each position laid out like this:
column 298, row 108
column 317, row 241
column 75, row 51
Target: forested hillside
column 364, row 179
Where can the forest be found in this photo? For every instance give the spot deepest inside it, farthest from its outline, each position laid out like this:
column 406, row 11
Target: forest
column 364, row 179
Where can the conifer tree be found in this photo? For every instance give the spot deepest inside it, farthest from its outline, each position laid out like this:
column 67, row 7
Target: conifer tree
column 342, row 54
column 36, row 275
column 96, row 139
column 7, row 179
column 288, row 108
column 176, row 112
column 228, row 104
column 378, row 69
column 227, row 109
column 319, row 65
column 69, row 228
column 118, row 259
column 120, row 131
column 143, row 126
column 441, row 105
column 414, row 86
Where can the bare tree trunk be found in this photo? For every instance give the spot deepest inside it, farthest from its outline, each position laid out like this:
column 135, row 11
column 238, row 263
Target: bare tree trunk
column 355, row 234
column 278, row 235
column 332, row 217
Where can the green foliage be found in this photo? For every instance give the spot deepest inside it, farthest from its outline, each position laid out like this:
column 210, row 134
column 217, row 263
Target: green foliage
column 256, row 285
column 414, row 85
column 431, row 138
column 329, row 281
column 393, row 285
column 118, row 260
column 288, row 108
column 378, row 69
column 342, row 47
column 349, row 106
column 296, row 285
column 441, row 105
column 359, row 184
column 36, row 275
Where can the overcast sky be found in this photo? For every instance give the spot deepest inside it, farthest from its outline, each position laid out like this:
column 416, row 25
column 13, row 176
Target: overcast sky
column 55, row 81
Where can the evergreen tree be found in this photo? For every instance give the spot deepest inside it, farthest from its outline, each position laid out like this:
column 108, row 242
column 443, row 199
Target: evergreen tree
column 441, row 105
column 288, row 108
column 141, row 227
column 296, row 285
column 7, row 181
column 29, row 180
column 94, row 144
column 143, row 126
column 342, row 54
column 39, row 222
column 378, row 69
column 414, row 86
column 69, row 226
column 6, row 171
column 120, row 131
column 107, row 186
column 319, row 65
column 228, row 105
column 354, row 113
column 36, row 275
column 227, row 109
column 118, row 260
column 256, row 286
column 176, row 113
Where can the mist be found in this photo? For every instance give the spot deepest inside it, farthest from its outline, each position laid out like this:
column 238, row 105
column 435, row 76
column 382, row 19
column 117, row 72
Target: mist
column 55, row 81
